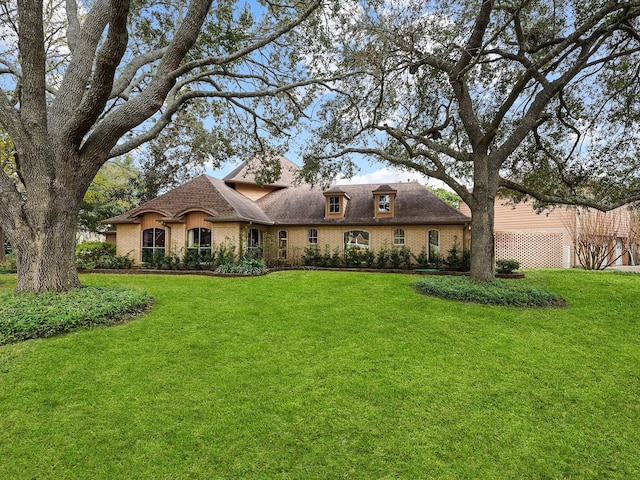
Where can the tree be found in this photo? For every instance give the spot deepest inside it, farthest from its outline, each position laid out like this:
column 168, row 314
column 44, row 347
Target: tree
column 601, row 238
column 445, row 194
column 86, row 86
column 109, row 194
column 535, row 97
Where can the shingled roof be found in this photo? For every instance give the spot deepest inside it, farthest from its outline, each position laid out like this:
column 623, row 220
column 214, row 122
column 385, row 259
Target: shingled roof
column 245, row 173
column 414, row 204
column 202, row 193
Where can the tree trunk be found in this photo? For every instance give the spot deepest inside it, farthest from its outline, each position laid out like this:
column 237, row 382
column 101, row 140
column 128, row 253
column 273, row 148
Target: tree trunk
column 2, row 255
column 44, row 246
column 482, row 208
column 482, row 242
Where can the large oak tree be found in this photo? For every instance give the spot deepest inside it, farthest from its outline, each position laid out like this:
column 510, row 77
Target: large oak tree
column 537, row 97
column 85, row 82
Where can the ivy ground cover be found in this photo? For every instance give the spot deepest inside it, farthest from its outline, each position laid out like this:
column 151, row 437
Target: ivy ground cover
column 323, row 375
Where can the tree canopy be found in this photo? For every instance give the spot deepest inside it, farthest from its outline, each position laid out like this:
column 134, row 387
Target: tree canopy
column 535, row 97
column 85, row 82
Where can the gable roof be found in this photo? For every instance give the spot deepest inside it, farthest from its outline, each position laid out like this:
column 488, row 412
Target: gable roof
column 203, row 193
column 305, row 205
column 245, row 172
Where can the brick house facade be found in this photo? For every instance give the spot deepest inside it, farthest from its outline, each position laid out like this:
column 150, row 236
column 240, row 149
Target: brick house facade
column 207, row 212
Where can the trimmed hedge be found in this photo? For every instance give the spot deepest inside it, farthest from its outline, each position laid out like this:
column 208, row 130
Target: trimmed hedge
column 28, row 315
column 498, row 292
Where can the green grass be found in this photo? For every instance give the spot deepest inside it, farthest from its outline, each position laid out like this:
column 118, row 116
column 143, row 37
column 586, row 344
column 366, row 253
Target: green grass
column 327, row 375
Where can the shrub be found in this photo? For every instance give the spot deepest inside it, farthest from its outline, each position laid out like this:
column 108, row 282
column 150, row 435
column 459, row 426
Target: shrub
column 325, row 261
column 394, row 257
column 436, row 260
column 196, row 259
column 351, row 257
column 223, row 254
column 336, row 259
column 383, row 257
column 10, row 263
column 369, row 257
column 405, row 256
column 498, row 292
column 246, row 266
column 31, row 315
column 457, row 260
column 100, row 255
column 507, row 266
column 152, row 258
column 422, row 259
column 311, row 256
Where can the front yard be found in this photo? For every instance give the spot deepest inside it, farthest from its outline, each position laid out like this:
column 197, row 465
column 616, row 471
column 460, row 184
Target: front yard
column 323, row 375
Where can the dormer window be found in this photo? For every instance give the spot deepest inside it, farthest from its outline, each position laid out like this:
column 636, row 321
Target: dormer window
column 384, row 203
column 334, row 204
column 384, row 198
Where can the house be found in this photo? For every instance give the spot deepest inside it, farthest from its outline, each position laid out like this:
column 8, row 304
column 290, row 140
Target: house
column 550, row 239
column 207, row 212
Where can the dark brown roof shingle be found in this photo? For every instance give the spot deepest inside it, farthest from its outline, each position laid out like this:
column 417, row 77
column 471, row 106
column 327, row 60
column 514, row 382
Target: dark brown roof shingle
column 202, row 193
column 304, row 205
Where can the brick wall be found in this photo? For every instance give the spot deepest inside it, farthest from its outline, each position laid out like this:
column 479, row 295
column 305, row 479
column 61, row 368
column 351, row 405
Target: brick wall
column 128, row 241
column 333, row 237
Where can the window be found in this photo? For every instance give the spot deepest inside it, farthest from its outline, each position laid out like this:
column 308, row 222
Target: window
column 434, row 244
column 334, row 204
column 313, row 236
column 254, row 238
column 357, row 239
column 398, row 236
column 152, row 244
column 282, row 245
column 384, row 203
column 199, row 238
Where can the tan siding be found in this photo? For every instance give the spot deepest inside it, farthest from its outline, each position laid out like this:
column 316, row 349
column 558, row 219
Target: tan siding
column 534, row 239
column 196, row 220
column 523, row 216
column 150, row 220
column 253, row 192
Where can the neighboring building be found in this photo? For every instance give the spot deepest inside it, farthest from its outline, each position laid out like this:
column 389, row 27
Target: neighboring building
column 206, row 212
column 548, row 239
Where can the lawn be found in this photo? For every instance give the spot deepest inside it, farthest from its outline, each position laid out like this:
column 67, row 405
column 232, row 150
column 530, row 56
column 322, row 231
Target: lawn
column 327, row 375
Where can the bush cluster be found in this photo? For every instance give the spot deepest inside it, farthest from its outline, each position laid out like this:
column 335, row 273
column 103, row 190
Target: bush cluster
column 27, row 315
column 10, row 264
column 498, row 292
column 100, row 255
column 246, row 266
column 396, row 257
column 224, row 258
column 507, row 266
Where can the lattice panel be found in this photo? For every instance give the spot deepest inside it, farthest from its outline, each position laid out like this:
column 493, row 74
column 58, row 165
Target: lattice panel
column 532, row 250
